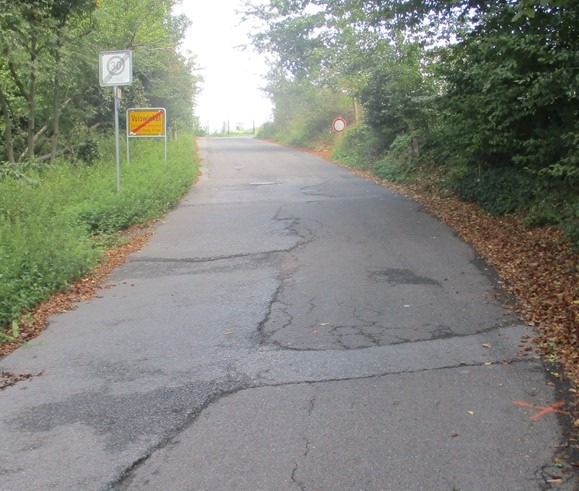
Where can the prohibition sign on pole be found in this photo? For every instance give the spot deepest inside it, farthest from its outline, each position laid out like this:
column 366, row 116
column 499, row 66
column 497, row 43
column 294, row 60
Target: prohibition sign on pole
column 116, row 68
column 146, row 122
column 339, row 125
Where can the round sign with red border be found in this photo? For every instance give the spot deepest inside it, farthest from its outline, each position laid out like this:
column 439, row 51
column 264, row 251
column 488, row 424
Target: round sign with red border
column 339, row 125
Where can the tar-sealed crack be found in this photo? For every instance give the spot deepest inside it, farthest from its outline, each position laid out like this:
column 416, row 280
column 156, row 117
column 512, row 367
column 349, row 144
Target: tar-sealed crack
column 365, row 330
column 306, row 236
column 314, row 190
column 231, row 387
column 394, row 276
column 312, row 405
column 367, row 327
column 442, row 332
column 220, row 390
column 263, row 336
column 294, row 476
column 204, row 259
column 150, row 267
column 294, row 479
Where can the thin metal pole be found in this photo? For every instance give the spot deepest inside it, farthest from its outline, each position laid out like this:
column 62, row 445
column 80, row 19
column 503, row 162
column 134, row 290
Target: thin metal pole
column 165, row 131
column 117, row 146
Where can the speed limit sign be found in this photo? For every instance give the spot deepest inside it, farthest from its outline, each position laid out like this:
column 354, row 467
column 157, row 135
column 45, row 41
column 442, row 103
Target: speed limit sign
column 116, row 68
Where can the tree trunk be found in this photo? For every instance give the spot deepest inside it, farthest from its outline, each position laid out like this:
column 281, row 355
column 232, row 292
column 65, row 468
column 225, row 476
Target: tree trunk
column 357, row 111
column 56, row 112
column 56, row 106
column 31, row 102
column 8, row 142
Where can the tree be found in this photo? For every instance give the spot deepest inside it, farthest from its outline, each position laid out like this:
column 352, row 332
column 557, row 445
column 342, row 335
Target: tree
column 50, row 97
column 347, row 48
column 512, row 90
column 32, row 43
column 163, row 76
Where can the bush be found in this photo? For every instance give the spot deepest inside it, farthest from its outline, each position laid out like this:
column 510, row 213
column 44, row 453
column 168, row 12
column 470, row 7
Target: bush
column 88, row 152
column 499, row 190
column 399, row 163
column 358, row 147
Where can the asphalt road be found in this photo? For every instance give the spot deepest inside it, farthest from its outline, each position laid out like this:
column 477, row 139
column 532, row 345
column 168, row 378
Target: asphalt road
column 290, row 326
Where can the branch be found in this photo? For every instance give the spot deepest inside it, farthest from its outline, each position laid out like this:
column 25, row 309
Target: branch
column 63, row 151
column 36, row 136
column 17, row 80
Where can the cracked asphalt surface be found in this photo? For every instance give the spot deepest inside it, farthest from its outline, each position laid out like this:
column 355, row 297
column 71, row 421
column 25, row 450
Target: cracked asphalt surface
column 290, row 326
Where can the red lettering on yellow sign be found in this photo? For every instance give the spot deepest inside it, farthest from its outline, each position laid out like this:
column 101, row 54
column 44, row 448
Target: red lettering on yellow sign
column 155, row 117
column 143, row 122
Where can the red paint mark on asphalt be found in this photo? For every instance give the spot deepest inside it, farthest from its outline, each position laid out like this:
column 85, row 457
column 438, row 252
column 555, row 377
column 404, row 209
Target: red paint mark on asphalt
column 146, row 122
column 542, row 410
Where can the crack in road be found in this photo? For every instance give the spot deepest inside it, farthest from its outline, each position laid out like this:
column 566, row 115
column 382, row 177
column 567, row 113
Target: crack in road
column 233, row 387
column 283, row 326
column 293, row 478
column 309, row 410
column 312, row 405
column 196, row 260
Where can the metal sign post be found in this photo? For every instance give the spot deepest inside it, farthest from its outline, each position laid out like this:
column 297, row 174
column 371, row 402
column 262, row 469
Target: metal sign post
column 117, row 100
column 116, row 70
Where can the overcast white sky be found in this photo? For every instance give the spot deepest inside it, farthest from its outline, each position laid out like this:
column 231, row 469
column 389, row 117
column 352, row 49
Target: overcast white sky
column 232, row 77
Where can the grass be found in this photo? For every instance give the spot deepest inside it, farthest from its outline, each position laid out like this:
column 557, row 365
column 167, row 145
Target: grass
column 55, row 219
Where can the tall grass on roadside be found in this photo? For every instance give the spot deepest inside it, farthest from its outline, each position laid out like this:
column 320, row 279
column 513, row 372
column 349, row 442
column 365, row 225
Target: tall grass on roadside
column 49, row 214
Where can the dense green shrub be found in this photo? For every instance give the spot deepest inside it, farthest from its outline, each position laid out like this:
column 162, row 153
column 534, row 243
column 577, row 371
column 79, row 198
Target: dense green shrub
column 358, row 147
column 399, row 163
column 88, row 152
column 500, row 190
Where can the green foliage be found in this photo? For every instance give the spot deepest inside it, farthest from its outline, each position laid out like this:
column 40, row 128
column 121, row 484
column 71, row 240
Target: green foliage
column 267, row 130
column 50, row 99
column 399, row 163
column 358, row 147
column 500, row 190
column 504, row 190
column 48, row 220
column 570, row 229
column 40, row 248
column 303, row 111
column 88, row 152
column 512, row 95
column 397, row 96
